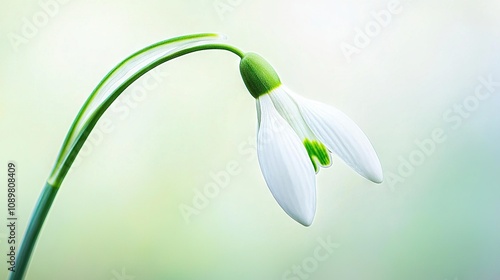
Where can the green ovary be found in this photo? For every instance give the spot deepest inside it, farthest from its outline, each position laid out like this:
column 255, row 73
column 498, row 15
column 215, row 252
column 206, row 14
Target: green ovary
column 258, row 75
column 317, row 153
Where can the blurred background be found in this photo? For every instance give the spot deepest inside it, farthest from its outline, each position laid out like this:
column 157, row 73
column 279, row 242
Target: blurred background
column 168, row 186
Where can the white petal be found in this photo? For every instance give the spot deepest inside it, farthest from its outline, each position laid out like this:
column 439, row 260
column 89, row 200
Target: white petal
column 341, row 136
column 285, row 164
column 288, row 109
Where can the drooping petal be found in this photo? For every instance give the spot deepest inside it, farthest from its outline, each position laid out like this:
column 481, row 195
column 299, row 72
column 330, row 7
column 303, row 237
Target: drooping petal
column 341, row 136
column 289, row 110
column 285, row 164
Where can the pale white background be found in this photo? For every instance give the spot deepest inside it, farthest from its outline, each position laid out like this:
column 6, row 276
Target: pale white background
column 118, row 209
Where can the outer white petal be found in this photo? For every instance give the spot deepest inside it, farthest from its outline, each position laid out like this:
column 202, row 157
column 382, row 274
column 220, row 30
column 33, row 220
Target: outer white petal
column 341, row 136
column 285, row 164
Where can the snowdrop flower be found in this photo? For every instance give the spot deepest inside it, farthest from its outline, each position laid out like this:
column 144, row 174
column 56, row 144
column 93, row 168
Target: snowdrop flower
column 296, row 136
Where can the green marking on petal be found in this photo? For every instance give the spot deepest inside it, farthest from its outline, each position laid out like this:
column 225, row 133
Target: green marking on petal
column 317, row 152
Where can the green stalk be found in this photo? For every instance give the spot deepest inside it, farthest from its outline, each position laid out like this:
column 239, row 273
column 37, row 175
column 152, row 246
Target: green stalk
column 77, row 135
column 35, row 225
column 61, row 169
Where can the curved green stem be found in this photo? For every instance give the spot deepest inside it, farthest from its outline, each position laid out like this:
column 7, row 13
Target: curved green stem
column 78, row 134
column 35, row 225
column 60, row 172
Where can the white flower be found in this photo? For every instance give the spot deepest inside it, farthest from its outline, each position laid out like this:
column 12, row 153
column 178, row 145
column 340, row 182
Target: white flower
column 296, row 136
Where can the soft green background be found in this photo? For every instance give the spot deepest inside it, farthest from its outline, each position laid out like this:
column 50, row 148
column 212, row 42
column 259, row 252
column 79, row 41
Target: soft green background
column 118, row 209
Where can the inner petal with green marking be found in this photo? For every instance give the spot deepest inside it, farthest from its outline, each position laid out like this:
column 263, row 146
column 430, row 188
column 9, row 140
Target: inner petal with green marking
column 318, row 153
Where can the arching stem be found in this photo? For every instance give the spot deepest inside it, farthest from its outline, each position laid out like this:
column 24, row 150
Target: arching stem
column 67, row 158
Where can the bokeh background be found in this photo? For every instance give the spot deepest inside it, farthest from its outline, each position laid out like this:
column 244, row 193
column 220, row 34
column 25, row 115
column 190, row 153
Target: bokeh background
column 118, row 216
